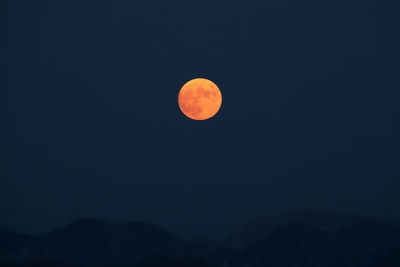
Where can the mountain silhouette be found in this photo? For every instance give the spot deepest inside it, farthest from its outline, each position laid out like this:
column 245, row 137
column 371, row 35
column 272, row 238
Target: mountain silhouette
column 298, row 239
column 91, row 242
column 317, row 239
column 95, row 242
column 167, row 261
column 14, row 247
column 263, row 226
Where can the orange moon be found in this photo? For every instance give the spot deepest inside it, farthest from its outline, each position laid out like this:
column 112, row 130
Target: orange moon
column 200, row 99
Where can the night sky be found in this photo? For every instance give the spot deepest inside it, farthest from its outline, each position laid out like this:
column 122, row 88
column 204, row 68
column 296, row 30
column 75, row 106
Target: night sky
column 90, row 124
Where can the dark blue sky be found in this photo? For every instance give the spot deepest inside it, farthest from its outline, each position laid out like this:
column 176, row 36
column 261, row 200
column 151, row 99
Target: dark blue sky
column 90, row 125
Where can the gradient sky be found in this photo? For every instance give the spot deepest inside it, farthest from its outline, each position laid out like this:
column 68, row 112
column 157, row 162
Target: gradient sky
column 90, row 124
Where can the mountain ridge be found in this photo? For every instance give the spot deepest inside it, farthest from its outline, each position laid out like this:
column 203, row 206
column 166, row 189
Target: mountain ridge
column 306, row 238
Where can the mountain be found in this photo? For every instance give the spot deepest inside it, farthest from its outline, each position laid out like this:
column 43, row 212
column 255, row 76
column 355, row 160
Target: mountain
column 91, row 242
column 317, row 239
column 298, row 239
column 265, row 225
column 14, row 247
column 166, row 261
column 94, row 242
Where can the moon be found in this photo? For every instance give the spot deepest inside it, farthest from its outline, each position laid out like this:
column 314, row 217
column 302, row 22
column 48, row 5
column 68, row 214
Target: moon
column 200, row 99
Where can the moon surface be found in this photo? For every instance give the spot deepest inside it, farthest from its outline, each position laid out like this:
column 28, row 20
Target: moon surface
column 200, row 99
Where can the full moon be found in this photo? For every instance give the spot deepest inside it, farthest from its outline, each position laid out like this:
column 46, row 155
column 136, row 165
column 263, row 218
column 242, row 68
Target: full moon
column 200, row 99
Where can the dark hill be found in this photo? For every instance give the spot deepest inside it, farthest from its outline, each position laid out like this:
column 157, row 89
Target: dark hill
column 317, row 239
column 301, row 239
column 263, row 226
column 14, row 247
column 166, row 261
column 91, row 242
column 95, row 242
